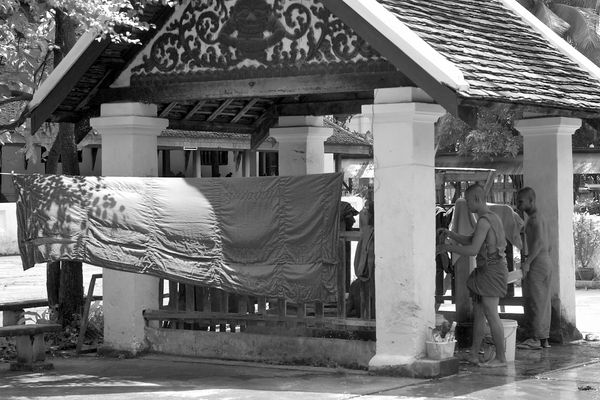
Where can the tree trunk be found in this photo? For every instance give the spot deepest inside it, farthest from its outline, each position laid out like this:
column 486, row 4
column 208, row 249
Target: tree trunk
column 70, row 283
column 71, row 291
column 53, row 268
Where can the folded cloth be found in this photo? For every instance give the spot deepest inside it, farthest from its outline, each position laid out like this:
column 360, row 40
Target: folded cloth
column 511, row 221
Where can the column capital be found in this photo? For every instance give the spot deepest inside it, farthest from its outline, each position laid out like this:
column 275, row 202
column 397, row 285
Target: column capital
column 395, row 112
column 548, row 126
column 130, row 123
column 300, row 134
column 122, row 109
column 129, row 118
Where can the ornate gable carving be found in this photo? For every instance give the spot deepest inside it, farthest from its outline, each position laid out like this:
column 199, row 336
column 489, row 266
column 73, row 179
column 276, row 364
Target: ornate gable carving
column 240, row 39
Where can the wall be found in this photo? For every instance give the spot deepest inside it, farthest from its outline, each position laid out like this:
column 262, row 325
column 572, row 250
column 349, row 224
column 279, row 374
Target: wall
column 8, row 229
column 353, row 354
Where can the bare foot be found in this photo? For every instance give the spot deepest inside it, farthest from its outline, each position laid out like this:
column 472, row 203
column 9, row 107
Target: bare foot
column 466, row 358
column 494, row 364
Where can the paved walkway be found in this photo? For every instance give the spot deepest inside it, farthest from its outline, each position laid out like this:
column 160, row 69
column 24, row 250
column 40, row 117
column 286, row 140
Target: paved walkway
column 562, row 372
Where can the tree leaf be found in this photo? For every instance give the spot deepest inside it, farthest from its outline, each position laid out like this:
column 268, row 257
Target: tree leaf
column 4, row 91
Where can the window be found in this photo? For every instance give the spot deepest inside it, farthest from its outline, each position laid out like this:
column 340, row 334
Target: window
column 205, row 157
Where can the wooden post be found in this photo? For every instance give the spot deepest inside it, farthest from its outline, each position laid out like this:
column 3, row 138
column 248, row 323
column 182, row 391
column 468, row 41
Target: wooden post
column 86, row 312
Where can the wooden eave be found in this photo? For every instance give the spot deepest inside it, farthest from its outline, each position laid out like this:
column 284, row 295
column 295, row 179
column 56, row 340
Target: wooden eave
column 441, row 93
column 253, row 106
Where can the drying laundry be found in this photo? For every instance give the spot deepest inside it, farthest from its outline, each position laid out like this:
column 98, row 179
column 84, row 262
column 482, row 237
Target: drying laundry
column 267, row 236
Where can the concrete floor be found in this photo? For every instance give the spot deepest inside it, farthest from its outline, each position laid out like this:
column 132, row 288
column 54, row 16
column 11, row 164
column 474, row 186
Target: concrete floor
column 562, row 372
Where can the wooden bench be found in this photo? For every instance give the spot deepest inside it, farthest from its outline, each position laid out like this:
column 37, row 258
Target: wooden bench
column 31, row 349
column 12, row 311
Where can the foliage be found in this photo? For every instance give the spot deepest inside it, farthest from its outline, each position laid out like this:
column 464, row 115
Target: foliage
column 576, row 21
column 28, row 43
column 589, row 206
column 67, row 339
column 586, row 237
column 494, row 135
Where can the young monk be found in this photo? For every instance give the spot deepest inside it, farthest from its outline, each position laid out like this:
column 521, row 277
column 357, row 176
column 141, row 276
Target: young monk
column 537, row 273
column 487, row 282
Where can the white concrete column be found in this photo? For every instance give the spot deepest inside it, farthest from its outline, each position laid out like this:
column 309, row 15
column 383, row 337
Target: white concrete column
column 548, row 169
column 250, row 166
column 404, row 199
column 129, row 142
column 301, row 145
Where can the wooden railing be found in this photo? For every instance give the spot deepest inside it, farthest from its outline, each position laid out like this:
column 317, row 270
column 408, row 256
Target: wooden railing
column 202, row 308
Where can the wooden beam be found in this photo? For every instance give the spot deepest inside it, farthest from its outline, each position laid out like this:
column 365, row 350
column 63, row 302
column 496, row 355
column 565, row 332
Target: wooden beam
column 261, row 132
column 211, row 127
column 195, row 109
column 93, row 92
column 323, row 108
column 348, row 149
column 251, row 88
column 55, row 97
column 244, row 110
column 441, row 93
column 167, row 109
column 523, row 107
column 219, row 110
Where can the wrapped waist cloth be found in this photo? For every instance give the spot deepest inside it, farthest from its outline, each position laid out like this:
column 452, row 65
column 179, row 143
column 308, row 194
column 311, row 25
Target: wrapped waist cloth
column 490, row 277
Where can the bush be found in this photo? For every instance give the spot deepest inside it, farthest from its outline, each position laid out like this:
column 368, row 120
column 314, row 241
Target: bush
column 586, row 237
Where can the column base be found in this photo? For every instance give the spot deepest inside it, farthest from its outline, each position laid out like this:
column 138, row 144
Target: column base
column 421, row 368
column 111, row 352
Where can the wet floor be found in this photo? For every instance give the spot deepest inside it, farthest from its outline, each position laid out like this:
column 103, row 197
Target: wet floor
column 562, row 372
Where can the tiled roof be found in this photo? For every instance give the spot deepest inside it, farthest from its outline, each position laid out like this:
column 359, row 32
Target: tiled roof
column 342, row 135
column 501, row 57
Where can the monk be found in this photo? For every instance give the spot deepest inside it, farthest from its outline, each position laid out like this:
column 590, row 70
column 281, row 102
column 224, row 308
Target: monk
column 488, row 282
column 537, row 273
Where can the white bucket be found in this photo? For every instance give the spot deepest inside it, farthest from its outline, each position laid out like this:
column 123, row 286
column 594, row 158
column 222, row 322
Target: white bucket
column 510, row 337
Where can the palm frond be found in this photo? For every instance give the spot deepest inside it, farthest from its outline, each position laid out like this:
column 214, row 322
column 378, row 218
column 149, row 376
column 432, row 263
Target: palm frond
column 557, row 24
column 583, row 32
column 590, row 4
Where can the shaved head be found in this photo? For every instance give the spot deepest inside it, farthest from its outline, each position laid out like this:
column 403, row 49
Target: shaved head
column 475, row 190
column 527, row 192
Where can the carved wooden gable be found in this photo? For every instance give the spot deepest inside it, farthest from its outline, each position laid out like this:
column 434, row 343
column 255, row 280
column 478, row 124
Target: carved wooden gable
column 245, row 39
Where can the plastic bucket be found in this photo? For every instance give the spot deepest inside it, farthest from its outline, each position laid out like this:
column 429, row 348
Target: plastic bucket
column 510, row 337
column 440, row 350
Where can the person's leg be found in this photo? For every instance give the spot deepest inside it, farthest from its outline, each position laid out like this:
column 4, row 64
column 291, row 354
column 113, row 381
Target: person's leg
column 478, row 332
column 490, row 309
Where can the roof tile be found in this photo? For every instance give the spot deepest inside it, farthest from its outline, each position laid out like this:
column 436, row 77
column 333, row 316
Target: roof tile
column 501, row 57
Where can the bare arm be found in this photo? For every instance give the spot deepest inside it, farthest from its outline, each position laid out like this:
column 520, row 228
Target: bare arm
column 475, row 243
column 461, row 239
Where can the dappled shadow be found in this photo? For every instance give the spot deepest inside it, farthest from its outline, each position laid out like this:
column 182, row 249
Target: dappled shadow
column 53, row 218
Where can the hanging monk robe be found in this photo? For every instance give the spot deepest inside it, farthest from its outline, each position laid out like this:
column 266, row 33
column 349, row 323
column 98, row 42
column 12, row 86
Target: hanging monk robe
column 537, row 295
column 489, row 278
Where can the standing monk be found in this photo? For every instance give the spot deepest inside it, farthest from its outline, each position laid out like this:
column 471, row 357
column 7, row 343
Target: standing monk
column 487, row 282
column 537, row 272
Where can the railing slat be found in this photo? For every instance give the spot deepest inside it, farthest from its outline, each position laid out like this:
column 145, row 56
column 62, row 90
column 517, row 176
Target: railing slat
column 341, row 281
column 224, row 308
